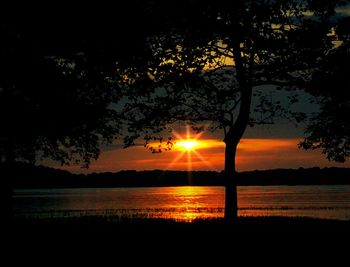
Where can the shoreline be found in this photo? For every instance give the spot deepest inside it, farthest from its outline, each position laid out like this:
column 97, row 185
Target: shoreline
column 28, row 176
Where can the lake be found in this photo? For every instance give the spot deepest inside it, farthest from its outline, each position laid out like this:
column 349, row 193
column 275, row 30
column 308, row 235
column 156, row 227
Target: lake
column 184, row 203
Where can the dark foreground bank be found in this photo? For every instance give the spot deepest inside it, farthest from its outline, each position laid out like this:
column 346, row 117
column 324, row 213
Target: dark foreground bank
column 263, row 239
column 157, row 227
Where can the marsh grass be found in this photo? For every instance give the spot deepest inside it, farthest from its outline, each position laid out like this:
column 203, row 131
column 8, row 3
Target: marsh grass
column 136, row 223
column 182, row 214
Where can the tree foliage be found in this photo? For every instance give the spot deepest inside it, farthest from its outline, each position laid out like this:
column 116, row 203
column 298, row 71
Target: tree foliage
column 329, row 129
column 56, row 88
column 208, row 60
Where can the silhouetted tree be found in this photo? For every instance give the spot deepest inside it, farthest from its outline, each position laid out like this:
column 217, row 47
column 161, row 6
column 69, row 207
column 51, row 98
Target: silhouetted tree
column 329, row 129
column 56, row 83
column 207, row 60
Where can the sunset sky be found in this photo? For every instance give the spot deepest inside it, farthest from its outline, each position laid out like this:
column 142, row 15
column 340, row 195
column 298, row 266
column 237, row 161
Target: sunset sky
column 264, row 147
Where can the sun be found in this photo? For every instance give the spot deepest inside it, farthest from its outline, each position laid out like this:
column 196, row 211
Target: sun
column 187, row 145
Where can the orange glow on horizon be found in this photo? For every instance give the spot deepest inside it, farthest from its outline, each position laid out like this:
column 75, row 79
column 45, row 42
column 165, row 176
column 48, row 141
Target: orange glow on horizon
column 208, row 154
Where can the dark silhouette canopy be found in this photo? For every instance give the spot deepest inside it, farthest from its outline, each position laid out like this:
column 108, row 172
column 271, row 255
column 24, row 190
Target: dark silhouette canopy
column 329, row 129
column 56, row 80
column 210, row 59
column 57, row 85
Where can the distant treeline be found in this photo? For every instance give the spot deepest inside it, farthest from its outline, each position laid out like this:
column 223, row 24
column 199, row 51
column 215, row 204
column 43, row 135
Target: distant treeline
column 30, row 176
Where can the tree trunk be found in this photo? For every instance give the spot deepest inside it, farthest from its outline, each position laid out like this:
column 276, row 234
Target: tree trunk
column 231, row 203
column 234, row 135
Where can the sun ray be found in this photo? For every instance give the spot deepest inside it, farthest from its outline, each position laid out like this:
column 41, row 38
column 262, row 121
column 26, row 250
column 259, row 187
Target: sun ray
column 198, row 135
column 189, row 167
column 178, row 157
column 189, row 161
column 177, row 135
column 203, row 160
column 187, row 144
column 187, row 132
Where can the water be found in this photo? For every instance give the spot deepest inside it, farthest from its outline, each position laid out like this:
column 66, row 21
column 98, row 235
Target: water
column 184, row 203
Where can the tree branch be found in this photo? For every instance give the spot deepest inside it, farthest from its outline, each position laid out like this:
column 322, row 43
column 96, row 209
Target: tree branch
column 222, row 51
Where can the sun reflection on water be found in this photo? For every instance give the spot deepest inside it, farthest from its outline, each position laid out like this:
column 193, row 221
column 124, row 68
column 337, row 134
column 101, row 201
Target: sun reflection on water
column 190, row 203
column 183, row 203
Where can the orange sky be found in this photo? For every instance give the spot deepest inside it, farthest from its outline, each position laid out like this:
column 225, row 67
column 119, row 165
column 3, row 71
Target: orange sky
column 252, row 154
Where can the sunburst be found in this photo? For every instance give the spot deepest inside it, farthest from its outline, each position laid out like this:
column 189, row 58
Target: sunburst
column 189, row 146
